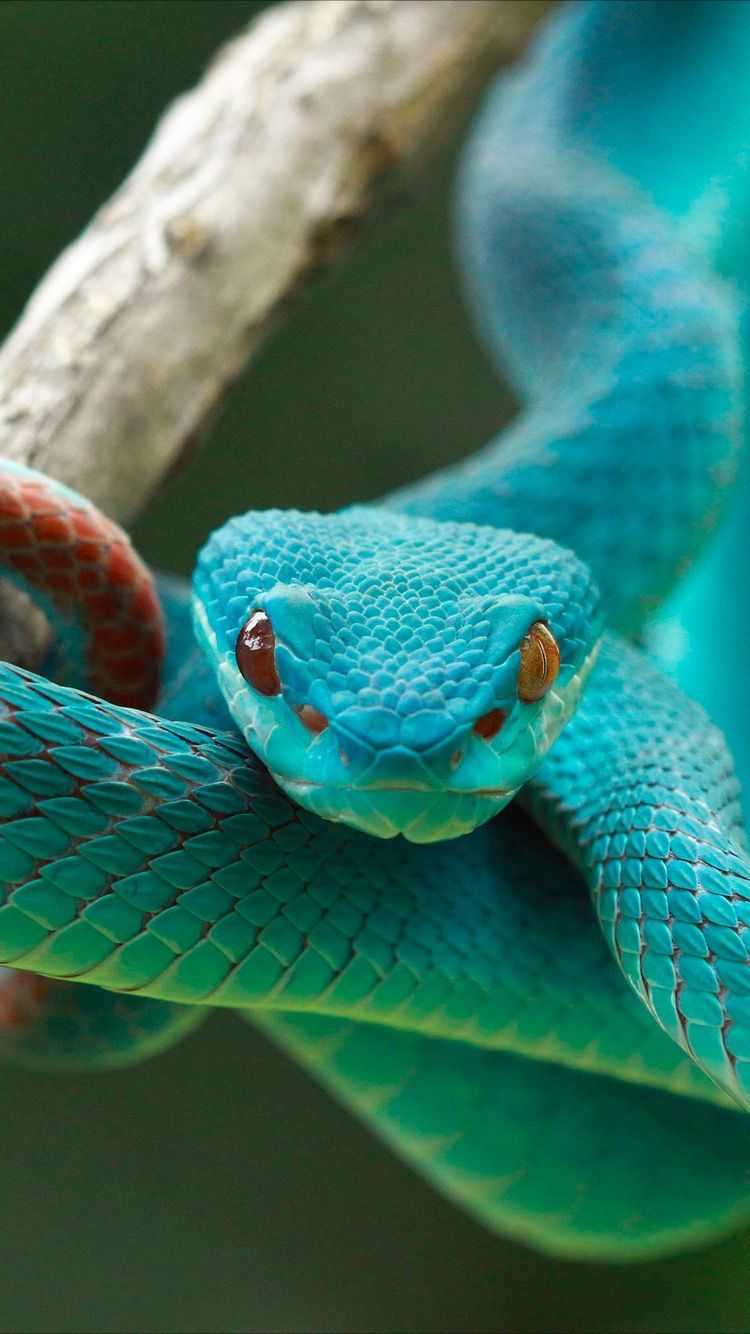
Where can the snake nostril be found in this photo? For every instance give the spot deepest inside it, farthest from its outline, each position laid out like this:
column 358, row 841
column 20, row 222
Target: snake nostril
column 345, row 758
column 490, row 723
column 456, row 759
column 313, row 719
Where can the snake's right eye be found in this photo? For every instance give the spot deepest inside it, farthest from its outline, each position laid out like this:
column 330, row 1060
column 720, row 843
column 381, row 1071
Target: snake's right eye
column 256, row 654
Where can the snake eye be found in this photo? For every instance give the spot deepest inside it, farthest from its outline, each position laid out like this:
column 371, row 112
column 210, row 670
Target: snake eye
column 540, row 663
column 255, row 653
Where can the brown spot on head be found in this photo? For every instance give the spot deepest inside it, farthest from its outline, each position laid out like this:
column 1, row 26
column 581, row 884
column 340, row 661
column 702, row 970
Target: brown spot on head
column 490, row 723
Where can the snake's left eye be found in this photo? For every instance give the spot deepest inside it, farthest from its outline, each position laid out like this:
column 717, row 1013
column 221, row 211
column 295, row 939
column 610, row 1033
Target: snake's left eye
column 540, row 663
column 256, row 654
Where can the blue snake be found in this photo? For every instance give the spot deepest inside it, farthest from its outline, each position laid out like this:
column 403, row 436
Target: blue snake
column 305, row 828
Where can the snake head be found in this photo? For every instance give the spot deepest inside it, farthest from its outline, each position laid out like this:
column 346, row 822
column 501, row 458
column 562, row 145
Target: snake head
column 401, row 675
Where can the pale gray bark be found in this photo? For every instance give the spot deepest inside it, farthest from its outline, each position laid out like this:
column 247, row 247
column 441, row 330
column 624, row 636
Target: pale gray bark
column 251, row 182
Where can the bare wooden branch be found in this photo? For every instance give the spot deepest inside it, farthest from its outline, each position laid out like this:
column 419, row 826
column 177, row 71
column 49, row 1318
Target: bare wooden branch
column 250, row 183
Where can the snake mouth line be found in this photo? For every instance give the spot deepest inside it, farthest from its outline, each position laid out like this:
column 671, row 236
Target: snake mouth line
column 310, row 786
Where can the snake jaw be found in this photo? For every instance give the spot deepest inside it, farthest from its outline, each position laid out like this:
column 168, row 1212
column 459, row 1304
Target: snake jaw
column 421, row 815
column 424, row 796
column 424, row 809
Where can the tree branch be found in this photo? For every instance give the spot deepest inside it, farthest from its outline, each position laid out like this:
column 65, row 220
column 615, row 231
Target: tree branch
column 250, row 183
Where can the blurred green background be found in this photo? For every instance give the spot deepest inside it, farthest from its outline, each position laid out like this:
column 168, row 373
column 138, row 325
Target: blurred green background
column 216, row 1188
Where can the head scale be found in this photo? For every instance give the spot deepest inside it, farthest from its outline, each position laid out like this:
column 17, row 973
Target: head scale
column 397, row 674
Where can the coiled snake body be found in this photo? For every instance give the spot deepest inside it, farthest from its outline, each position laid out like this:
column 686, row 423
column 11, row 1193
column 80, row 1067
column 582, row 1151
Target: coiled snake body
column 405, row 669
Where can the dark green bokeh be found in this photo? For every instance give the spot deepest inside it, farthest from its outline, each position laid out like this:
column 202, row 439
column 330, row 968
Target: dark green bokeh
column 216, row 1188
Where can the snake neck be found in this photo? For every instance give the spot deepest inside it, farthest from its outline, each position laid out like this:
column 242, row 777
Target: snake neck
column 622, row 346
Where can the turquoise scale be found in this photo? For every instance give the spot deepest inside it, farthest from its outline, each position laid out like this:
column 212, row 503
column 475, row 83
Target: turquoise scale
column 576, row 1083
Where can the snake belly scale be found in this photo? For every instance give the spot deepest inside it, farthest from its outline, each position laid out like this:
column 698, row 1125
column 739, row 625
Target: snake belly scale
column 304, row 829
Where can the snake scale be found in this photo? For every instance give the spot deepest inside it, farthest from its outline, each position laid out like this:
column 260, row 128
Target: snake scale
column 304, row 829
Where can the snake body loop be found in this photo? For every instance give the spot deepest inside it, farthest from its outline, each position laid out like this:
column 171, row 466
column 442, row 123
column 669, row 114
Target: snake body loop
column 425, row 658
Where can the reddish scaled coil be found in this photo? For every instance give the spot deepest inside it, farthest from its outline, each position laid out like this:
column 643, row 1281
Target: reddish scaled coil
column 86, row 565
